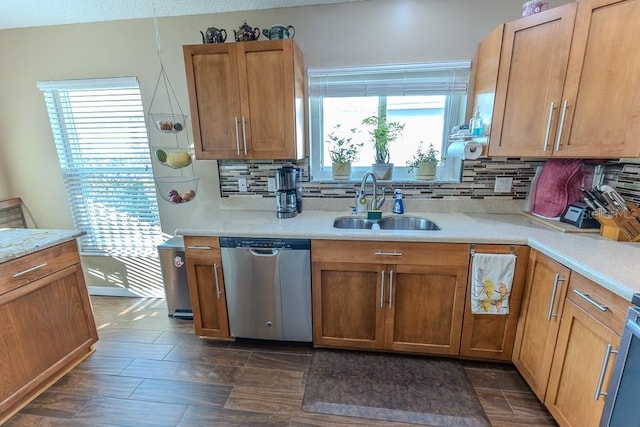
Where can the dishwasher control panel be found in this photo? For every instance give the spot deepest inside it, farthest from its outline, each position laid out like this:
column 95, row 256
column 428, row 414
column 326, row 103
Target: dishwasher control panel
column 264, row 243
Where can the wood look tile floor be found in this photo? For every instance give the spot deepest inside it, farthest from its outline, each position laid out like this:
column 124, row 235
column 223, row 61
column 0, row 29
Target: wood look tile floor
column 151, row 370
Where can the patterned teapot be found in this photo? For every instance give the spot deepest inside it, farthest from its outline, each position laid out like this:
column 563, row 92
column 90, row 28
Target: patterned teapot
column 278, row 32
column 214, row 35
column 246, row 33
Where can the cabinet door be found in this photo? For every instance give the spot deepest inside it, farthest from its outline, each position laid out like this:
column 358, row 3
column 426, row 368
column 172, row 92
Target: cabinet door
column 603, row 81
column 212, row 81
column 492, row 336
column 47, row 327
column 545, row 290
column 266, row 74
column 531, row 75
column 424, row 308
column 206, row 288
column 348, row 305
column 579, row 358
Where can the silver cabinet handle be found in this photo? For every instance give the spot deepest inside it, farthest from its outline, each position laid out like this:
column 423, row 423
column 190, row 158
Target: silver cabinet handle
column 605, row 363
column 237, row 137
column 561, row 125
column 244, row 134
column 29, row 270
column 549, row 120
column 380, row 253
column 382, row 290
column 202, row 248
column 588, row 299
column 390, row 288
column 215, row 270
column 553, row 296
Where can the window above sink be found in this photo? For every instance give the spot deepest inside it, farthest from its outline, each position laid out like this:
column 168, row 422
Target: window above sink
column 428, row 99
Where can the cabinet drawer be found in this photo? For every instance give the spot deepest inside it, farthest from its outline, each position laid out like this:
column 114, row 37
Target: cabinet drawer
column 26, row 269
column 599, row 302
column 450, row 254
column 196, row 245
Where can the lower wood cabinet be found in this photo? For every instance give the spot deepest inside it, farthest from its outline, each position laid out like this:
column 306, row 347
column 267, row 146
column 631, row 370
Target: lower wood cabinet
column 206, row 286
column 583, row 358
column 542, row 303
column 47, row 324
column 406, row 297
column 492, row 336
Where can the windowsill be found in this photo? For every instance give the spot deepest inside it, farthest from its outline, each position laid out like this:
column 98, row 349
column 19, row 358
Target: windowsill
column 384, row 181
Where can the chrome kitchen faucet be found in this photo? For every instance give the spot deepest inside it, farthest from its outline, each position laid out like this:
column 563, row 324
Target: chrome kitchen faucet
column 376, row 203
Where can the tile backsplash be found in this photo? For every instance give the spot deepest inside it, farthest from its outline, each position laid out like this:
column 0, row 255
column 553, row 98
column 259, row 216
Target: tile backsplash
column 478, row 180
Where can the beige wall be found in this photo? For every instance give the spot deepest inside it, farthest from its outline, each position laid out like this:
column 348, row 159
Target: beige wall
column 367, row 32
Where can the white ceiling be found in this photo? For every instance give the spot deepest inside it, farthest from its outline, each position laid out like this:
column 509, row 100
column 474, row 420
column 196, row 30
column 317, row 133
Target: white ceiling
column 37, row 13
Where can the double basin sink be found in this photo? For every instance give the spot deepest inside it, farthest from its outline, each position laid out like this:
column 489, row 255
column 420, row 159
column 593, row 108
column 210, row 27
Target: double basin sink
column 387, row 223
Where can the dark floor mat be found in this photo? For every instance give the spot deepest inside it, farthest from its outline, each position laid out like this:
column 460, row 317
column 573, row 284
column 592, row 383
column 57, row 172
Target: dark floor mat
column 390, row 387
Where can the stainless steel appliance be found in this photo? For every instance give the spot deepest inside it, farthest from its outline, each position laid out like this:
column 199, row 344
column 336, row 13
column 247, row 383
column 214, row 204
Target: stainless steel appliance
column 268, row 287
column 174, row 277
column 288, row 192
column 622, row 406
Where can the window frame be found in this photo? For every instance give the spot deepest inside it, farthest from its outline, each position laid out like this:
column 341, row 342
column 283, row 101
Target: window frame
column 455, row 105
column 132, row 226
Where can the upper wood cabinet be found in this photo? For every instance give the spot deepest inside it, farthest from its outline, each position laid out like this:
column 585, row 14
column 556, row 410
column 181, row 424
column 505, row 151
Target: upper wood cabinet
column 405, row 297
column 531, row 75
column 567, row 83
column 247, row 99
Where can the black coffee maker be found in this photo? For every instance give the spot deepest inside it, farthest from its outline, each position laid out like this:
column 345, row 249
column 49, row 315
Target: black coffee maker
column 288, row 191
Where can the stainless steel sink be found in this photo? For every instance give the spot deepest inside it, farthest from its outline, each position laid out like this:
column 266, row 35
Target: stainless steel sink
column 352, row 222
column 407, row 223
column 387, row 223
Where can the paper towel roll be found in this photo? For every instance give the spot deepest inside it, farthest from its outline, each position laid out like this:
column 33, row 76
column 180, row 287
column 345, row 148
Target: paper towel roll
column 473, row 150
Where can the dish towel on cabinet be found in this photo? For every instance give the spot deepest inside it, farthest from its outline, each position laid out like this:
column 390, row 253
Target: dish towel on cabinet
column 491, row 278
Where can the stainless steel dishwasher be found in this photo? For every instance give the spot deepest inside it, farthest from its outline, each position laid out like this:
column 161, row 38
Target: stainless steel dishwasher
column 268, row 286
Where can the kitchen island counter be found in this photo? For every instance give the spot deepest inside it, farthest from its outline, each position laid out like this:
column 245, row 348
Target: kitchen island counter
column 17, row 242
column 613, row 265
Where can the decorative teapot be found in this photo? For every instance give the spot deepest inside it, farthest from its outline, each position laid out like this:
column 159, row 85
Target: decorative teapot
column 246, row 33
column 278, row 32
column 214, row 35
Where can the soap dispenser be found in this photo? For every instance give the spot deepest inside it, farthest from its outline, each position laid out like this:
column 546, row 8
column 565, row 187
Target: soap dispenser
column 398, row 207
column 475, row 124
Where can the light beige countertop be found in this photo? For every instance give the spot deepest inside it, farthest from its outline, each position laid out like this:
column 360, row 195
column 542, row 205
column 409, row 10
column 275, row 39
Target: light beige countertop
column 16, row 242
column 613, row 265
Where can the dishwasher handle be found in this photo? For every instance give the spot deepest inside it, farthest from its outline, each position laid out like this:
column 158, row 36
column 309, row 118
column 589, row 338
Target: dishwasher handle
column 263, row 252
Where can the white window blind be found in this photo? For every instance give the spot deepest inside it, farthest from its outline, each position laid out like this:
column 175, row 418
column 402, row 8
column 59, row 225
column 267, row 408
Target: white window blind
column 101, row 139
column 432, row 78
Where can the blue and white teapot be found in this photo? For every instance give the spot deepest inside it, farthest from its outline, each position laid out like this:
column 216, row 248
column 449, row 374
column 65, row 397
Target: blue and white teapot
column 278, row 32
column 245, row 33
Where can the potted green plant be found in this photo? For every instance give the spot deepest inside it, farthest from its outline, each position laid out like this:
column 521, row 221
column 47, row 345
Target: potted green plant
column 424, row 162
column 343, row 152
column 382, row 133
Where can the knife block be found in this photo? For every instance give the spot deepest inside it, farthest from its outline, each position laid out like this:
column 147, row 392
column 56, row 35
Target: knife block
column 623, row 226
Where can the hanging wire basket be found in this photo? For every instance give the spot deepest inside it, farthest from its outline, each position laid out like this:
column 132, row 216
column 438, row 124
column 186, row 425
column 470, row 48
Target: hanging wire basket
column 177, row 189
column 173, row 157
column 168, row 122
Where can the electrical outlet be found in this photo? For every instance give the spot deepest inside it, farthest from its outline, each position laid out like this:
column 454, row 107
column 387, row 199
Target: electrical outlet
column 271, row 184
column 503, row 184
column 242, row 185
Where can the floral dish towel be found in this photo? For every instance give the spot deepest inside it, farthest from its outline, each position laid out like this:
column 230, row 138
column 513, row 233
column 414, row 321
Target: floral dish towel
column 491, row 277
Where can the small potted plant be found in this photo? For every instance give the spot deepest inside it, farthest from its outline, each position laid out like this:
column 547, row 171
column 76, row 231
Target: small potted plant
column 424, row 162
column 343, row 152
column 382, row 133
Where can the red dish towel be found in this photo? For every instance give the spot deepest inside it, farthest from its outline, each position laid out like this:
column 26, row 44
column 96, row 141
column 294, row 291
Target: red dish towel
column 558, row 186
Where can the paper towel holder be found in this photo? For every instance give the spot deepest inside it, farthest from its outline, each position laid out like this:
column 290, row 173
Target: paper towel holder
column 474, row 150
